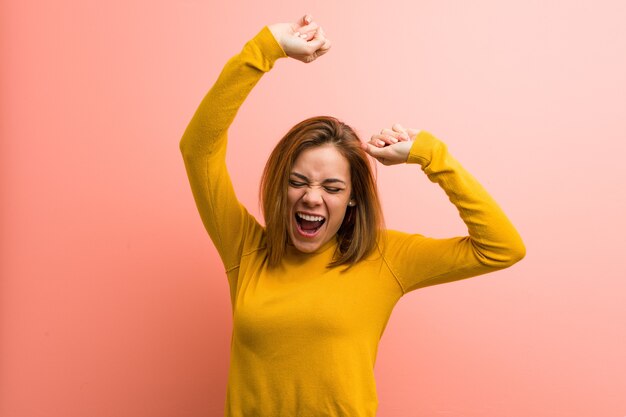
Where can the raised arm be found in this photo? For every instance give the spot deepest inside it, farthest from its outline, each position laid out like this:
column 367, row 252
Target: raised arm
column 418, row 261
column 203, row 144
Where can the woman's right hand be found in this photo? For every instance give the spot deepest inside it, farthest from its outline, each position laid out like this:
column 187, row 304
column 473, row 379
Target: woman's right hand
column 303, row 40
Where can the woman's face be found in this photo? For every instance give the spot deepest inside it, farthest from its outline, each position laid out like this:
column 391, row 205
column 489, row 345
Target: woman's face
column 318, row 195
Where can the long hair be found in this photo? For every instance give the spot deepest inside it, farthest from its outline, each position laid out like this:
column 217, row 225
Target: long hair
column 358, row 234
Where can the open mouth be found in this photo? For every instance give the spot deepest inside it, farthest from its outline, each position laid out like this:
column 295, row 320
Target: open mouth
column 309, row 225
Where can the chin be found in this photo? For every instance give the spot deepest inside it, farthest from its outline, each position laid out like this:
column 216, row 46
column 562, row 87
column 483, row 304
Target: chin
column 305, row 247
column 307, row 244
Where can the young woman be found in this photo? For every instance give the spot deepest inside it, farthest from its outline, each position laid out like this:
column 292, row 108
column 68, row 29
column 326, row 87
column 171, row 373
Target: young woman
column 312, row 291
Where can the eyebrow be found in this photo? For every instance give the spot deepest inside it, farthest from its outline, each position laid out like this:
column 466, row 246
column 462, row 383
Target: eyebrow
column 326, row 181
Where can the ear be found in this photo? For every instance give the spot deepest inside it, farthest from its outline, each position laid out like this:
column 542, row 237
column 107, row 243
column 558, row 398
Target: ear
column 351, row 203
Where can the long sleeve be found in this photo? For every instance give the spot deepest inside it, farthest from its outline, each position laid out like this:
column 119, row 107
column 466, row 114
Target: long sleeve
column 203, row 146
column 493, row 243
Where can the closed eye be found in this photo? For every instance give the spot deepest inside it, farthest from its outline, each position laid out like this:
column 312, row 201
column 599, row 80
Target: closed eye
column 296, row 184
column 333, row 189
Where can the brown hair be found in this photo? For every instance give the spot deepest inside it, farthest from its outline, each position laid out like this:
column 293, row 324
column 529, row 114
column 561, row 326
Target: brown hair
column 359, row 232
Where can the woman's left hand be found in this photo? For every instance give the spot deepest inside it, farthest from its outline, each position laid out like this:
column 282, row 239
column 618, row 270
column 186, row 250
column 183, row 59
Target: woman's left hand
column 391, row 146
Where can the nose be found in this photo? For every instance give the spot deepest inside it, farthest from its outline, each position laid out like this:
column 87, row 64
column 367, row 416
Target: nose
column 312, row 197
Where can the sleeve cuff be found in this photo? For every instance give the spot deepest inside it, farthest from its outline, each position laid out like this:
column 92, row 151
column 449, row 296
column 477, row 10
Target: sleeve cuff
column 269, row 46
column 423, row 148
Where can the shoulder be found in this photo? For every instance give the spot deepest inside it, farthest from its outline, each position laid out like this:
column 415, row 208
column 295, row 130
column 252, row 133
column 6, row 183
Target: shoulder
column 390, row 238
column 394, row 245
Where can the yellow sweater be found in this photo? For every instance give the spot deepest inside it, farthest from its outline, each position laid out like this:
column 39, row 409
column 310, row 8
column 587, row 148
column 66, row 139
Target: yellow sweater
column 305, row 337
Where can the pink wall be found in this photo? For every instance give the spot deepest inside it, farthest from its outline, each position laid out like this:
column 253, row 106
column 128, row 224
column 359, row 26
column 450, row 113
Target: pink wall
column 112, row 299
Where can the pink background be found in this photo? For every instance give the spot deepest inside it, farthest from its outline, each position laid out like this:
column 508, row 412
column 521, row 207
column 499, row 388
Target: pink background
column 112, row 299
